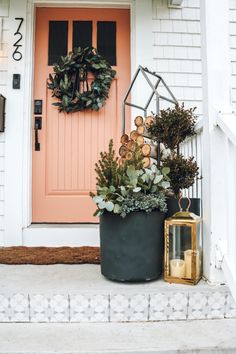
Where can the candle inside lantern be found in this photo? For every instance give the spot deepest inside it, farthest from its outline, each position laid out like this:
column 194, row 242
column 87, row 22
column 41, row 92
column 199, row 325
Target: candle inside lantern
column 177, row 268
column 188, row 263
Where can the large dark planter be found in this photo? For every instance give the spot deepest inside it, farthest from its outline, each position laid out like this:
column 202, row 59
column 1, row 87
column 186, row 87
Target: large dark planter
column 173, row 206
column 132, row 247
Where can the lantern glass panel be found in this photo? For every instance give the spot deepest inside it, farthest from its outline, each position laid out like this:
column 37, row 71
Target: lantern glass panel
column 179, row 242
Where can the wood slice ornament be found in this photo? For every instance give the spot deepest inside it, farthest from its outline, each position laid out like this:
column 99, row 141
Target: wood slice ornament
column 121, row 161
column 124, row 139
column 142, row 130
column 131, row 145
column 129, row 155
column 148, row 162
column 149, row 150
column 138, row 121
column 134, row 135
column 140, row 137
column 140, row 140
column 149, row 121
column 143, row 140
column 123, row 151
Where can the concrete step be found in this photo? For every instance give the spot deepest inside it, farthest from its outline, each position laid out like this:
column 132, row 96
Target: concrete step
column 79, row 293
column 202, row 337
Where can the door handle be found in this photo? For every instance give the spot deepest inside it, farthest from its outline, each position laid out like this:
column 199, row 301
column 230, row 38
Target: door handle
column 37, row 127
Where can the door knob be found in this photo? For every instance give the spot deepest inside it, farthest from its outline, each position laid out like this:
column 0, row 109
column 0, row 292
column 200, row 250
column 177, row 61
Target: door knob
column 37, row 127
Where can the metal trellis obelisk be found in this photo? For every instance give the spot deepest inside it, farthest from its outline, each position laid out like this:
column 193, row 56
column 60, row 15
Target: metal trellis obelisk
column 145, row 72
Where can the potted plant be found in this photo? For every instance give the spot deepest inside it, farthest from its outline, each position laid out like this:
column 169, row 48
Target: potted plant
column 131, row 205
column 171, row 127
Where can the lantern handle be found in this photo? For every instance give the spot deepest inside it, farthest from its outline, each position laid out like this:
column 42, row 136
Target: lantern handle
column 180, row 206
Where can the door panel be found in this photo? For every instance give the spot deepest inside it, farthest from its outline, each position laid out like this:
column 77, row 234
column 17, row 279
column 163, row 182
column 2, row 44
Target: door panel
column 63, row 169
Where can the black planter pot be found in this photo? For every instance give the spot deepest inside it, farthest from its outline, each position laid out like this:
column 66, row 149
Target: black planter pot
column 173, row 206
column 132, row 247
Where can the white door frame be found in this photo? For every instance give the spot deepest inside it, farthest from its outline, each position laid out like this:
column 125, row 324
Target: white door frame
column 18, row 168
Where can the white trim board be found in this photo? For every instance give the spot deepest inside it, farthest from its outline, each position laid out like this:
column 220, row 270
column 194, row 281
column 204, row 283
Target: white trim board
column 83, row 3
column 61, row 235
column 18, row 176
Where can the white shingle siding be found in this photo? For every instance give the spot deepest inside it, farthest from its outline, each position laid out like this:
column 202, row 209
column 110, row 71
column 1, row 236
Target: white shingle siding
column 232, row 43
column 4, row 8
column 4, row 13
column 177, row 49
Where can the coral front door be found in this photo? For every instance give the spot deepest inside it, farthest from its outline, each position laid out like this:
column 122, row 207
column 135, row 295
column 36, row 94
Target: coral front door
column 63, row 168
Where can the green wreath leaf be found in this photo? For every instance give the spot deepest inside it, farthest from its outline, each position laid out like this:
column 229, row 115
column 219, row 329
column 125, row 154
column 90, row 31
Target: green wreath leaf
column 69, row 81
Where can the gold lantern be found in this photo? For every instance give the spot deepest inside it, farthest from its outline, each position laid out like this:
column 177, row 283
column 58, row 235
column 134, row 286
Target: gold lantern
column 183, row 247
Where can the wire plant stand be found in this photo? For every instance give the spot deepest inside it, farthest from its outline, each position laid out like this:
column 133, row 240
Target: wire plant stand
column 154, row 87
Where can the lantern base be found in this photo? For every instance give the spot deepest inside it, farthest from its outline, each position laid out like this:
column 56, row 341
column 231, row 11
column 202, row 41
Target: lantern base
column 184, row 281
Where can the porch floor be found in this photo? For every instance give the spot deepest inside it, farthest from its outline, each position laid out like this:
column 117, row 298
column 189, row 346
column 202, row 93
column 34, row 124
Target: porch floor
column 81, row 278
column 79, row 293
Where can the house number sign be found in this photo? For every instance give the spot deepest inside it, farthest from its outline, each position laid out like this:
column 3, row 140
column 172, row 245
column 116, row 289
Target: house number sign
column 17, row 54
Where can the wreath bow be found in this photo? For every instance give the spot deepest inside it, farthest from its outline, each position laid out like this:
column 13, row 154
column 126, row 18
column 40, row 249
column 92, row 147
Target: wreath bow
column 70, row 82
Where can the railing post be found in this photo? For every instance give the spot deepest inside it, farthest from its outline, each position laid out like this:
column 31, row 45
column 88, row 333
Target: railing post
column 216, row 96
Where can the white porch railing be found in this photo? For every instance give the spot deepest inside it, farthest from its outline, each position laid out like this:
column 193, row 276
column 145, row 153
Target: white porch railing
column 226, row 126
column 193, row 147
column 224, row 136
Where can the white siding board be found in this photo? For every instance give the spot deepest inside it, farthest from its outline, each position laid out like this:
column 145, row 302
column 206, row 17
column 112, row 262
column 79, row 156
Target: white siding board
column 2, row 193
column 3, row 63
column 3, row 78
column 232, row 44
column 4, row 13
column 232, row 15
column 177, row 49
column 1, row 238
column 2, row 178
column 178, row 66
column 2, row 163
column 175, row 14
column 2, row 208
column 2, row 149
column 1, row 222
column 190, row 14
column 4, row 8
column 192, row 3
column 232, row 4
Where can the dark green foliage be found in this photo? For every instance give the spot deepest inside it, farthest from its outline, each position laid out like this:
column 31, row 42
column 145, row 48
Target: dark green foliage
column 70, row 81
column 145, row 202
column 183, row 172
column 108, row 171
column 173, row 126
column 107, row 168
column 129, row 187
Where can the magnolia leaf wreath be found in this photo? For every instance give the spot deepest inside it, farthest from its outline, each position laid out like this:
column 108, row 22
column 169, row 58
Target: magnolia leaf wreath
column 70, row 82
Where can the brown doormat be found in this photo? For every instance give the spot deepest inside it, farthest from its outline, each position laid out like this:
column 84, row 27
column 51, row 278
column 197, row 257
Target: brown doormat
column 49, row 255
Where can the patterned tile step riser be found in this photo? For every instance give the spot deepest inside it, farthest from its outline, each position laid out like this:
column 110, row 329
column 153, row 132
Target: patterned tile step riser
column 161, row 306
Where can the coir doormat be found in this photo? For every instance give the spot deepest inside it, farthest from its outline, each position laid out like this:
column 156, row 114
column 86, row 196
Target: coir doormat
column 49, row 255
